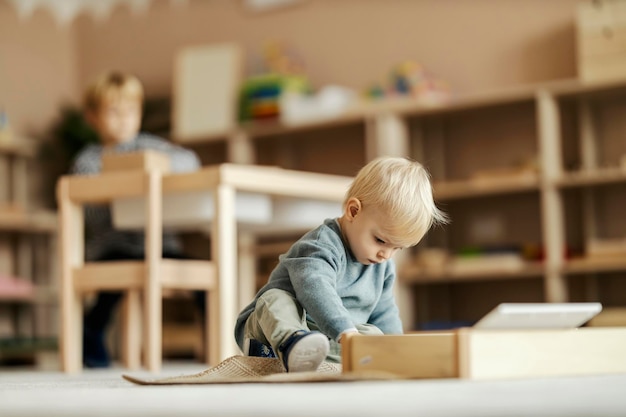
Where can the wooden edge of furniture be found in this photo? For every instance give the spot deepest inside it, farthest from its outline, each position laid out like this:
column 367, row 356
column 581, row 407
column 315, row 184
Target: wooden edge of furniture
column 175, row 274
column 102, row 188
column 599, row 176
column 419, row 355
column 469, row 353
column 594, row 265
column 28, row 221
column 262, row 179
column 19, row 147
column 450, row 190
column 415, row 274
column 145, row 160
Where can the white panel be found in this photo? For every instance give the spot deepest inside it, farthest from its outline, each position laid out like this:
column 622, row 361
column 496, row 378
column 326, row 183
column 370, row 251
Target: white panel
column 205, row 91
column 191, row 209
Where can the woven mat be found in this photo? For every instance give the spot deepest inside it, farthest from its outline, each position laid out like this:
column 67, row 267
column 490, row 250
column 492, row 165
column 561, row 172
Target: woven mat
column 247, row 369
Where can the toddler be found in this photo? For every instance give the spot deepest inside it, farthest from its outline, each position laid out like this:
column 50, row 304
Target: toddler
column 339, row 277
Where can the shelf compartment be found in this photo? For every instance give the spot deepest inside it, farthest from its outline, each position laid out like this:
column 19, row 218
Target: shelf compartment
column 592, row 177
column 416, row 275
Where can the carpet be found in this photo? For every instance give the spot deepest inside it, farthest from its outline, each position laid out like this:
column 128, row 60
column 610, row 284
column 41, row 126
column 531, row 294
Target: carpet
column 247, row 369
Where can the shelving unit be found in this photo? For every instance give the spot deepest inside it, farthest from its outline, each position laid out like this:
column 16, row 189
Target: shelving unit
column 27, row 268
column 522, row 168
column 592, row 185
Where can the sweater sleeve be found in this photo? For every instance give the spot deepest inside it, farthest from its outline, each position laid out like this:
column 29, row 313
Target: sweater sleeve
column 386, row 315
column 313, row 269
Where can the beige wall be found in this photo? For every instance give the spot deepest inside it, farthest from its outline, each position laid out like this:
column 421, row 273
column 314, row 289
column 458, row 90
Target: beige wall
column 474, row 44
column 38, row 69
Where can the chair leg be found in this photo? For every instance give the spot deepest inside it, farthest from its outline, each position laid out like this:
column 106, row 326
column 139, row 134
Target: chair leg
column 71, row 254
column 131, row 330
column 213, row 329
column 153, row 331
column 153, row 309
column 71, row 339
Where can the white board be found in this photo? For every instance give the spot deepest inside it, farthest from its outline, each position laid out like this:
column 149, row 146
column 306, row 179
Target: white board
column 539, row 315
column 205, row 91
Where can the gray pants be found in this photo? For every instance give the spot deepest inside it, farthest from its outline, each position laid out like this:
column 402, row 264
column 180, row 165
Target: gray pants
column 277, row 315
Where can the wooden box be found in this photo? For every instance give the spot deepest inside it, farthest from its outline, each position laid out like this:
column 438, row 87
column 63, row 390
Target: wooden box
column 141, row 160
column 489, row 354
column 601, row 39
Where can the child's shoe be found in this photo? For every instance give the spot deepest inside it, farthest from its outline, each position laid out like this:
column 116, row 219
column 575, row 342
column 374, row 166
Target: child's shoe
column 95, row 353
column 304, row 351
column 258, row 349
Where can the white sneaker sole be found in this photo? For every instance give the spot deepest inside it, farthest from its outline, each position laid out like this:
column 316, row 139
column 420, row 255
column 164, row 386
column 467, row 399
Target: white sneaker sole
column 308, row 353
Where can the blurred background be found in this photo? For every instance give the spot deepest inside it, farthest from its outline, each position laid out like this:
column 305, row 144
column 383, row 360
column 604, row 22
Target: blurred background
column 459, row 85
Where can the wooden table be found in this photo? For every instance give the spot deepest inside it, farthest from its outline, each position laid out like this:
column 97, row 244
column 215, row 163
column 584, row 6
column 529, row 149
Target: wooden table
column 223, row 181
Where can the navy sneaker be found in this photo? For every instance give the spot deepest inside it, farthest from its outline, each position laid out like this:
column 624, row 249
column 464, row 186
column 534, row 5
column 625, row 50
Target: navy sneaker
column 304, row 351
column 95, row 354
column 258, row 349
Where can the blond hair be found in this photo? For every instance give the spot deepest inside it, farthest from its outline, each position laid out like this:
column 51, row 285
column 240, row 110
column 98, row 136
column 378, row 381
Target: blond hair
column 113, row 84
column 400, row 188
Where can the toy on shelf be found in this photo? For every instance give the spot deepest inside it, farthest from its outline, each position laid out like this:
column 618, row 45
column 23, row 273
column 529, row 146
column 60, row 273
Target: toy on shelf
column 260, row 95
column 280, row 70
column 411, row 79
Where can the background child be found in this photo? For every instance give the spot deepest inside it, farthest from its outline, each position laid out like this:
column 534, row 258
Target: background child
column 338, row 278
column 113, row 107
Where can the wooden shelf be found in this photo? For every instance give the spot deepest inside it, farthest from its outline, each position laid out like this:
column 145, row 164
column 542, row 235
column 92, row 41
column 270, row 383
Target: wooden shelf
column 25, row 148
column 257, row 129
column 476, row 188
column 40, row 294
column 411, row 106
column 416, row 275
column 577, row 88
column 26, row 345
column 15, row 220
column 601, row 176
column 26, row 298
column 593, row 265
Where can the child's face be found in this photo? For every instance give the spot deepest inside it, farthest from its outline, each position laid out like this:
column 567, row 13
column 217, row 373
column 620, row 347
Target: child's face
column 117, row 120
column 364, row 228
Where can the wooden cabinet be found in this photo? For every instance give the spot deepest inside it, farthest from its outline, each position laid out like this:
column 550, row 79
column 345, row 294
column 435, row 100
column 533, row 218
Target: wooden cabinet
column 27, row 261
column 533, row 178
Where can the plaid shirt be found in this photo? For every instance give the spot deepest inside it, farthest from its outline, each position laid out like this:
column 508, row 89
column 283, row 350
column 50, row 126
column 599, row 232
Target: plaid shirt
column 101, row 238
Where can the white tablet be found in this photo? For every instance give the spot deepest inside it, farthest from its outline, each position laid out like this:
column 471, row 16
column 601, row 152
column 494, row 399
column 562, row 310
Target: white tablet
column 539, row 315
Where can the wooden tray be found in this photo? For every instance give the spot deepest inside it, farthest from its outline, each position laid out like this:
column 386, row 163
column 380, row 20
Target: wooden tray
column 489, row 354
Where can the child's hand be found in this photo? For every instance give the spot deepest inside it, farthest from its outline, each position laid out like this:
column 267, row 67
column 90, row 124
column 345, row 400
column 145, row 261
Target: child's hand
column 347, row 333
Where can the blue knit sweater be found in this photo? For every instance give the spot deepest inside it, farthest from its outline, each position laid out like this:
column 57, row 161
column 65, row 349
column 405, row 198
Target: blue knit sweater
column 335, row 290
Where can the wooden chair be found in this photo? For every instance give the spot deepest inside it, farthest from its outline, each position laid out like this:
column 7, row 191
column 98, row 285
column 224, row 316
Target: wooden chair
column 142, row 282
column 226, row 278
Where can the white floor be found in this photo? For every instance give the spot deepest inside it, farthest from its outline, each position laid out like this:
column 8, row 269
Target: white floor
column 28, row 393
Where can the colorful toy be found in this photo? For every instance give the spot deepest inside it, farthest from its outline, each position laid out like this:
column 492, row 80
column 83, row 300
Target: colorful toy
column 281, row 70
